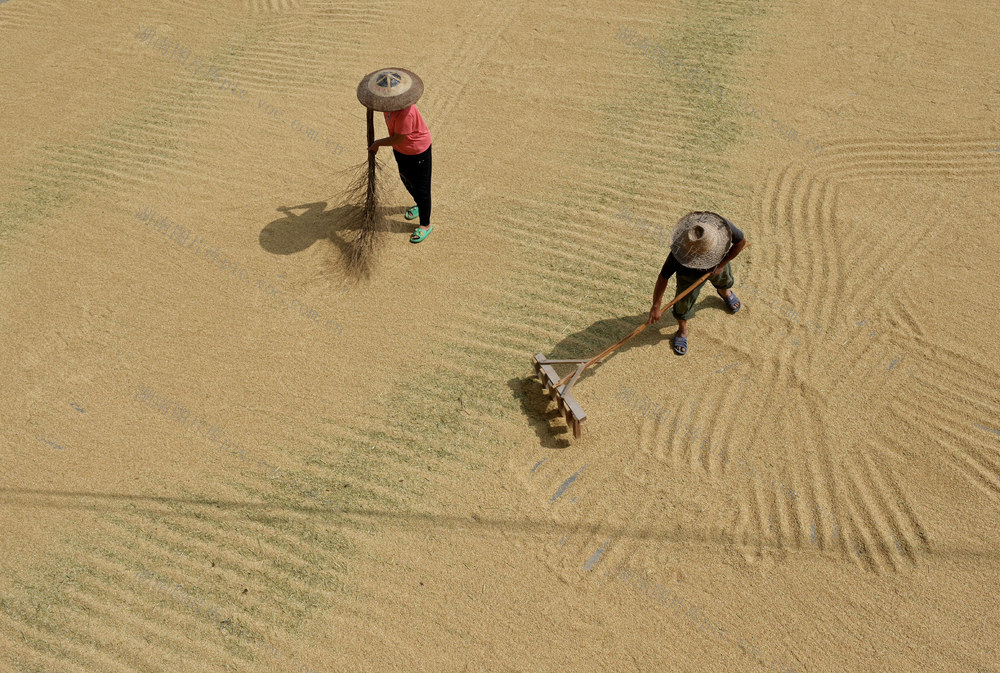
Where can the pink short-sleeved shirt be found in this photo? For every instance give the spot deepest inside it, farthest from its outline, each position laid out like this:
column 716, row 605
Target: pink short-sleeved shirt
column 409, row 123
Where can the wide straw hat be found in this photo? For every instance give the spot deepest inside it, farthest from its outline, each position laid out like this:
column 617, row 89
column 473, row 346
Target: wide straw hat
column 700, row 240
column 390, row 89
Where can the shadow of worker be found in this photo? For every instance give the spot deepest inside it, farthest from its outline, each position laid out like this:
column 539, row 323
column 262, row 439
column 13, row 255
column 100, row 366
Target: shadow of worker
column 297, row 232
column 536, row 406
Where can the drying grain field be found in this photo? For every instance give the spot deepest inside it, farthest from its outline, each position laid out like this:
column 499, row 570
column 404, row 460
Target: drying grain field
column 222, row 452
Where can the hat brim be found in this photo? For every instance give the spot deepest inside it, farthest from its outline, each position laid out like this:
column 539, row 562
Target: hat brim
column 710, row 257
column 383, row 99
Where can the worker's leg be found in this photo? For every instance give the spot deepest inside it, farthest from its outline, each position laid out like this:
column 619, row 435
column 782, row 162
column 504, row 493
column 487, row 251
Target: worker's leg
column 684, row 309
column 403, row 163
column 415, row 172
column 723, row 283
column 422, row 186
column 682, row 328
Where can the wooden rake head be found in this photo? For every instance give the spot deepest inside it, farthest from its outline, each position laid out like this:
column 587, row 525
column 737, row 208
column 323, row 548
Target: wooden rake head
column 559, row 389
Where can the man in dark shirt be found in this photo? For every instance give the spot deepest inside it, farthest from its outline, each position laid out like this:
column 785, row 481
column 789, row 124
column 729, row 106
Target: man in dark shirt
column 700, row 242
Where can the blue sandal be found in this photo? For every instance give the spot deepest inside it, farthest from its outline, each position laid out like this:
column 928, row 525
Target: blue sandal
column 420, row 234
column 412, row 214
column 733, row 302
column 679, row 343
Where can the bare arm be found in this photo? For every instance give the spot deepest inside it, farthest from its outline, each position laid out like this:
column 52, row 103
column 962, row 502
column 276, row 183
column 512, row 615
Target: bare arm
column 730, row 256
column 658, row 290
column 391, row 141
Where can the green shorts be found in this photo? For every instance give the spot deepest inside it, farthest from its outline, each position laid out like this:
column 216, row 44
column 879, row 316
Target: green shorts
column 684, row 309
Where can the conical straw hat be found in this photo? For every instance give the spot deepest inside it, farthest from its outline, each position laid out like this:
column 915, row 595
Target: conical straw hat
column 390, row 89
column 700, row 240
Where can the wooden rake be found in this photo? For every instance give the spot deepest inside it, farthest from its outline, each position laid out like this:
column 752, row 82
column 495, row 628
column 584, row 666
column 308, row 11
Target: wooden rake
column 559, row 388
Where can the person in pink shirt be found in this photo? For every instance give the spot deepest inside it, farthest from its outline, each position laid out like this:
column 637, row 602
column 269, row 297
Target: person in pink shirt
column 411, row 144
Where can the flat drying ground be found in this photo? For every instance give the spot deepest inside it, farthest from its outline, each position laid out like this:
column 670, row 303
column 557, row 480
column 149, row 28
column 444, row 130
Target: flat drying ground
column 222, row 452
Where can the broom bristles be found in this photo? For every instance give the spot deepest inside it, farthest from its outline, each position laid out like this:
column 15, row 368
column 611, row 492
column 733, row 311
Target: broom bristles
column 365, row 214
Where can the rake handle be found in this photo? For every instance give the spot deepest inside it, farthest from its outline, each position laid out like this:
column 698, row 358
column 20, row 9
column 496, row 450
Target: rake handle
column 611, row 349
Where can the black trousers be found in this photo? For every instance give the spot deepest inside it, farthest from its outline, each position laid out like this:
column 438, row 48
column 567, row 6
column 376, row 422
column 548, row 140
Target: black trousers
column 415, row 172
